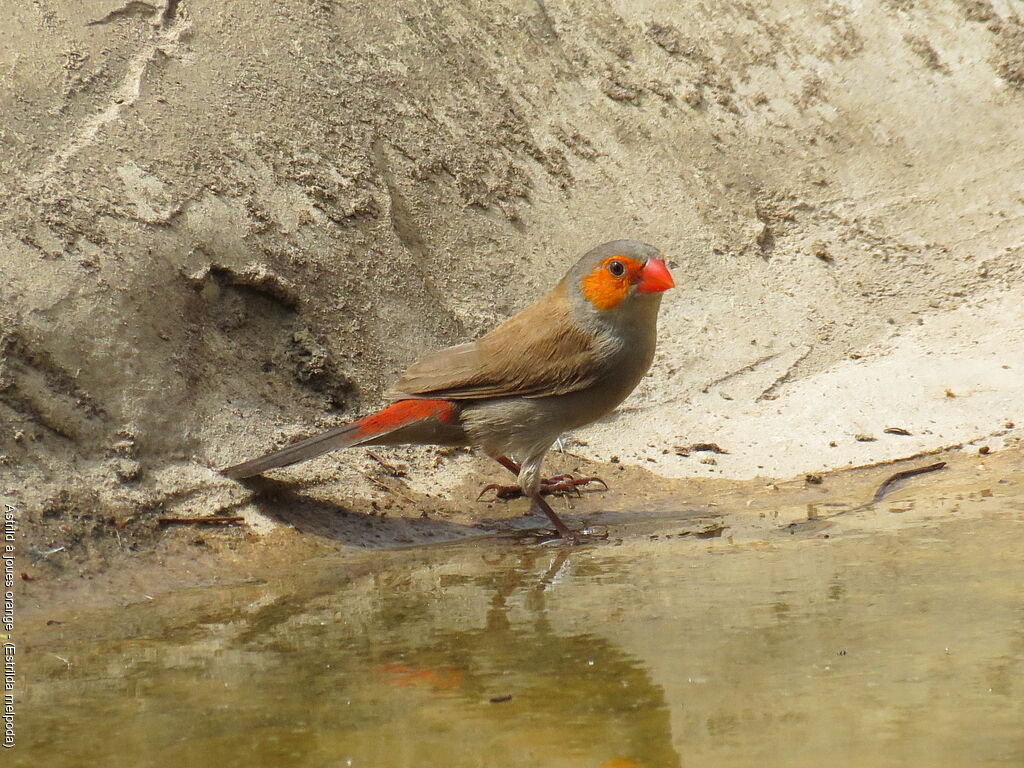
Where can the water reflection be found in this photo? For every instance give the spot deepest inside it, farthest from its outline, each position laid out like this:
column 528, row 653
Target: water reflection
column 572, row 693
column 904, row 647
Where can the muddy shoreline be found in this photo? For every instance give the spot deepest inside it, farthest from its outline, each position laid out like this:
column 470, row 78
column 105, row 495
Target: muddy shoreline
column 110, row 564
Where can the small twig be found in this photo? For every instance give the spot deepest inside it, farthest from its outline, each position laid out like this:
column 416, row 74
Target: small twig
column 882, row 490
column 712, row 531
column 713, row 447
column 884, row 487
column 66, row 661
column 391, row 468
column 385, row 486
column 686, row 450
column 37, row 556
column 210, row 520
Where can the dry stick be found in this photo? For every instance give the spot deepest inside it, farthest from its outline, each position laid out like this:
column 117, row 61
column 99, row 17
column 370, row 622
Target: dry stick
column 882, row 490
column 210, row 520
column 385, row 486
column 884, row 487
column 391, row 468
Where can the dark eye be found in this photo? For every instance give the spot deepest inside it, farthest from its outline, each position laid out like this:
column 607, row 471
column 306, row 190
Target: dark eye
column 616, row 268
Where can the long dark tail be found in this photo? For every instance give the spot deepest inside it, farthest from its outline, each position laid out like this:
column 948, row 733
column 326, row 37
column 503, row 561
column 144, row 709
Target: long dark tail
column 370, row 429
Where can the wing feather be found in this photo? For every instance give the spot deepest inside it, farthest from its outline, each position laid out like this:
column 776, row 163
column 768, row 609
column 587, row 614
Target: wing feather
column 539, row 352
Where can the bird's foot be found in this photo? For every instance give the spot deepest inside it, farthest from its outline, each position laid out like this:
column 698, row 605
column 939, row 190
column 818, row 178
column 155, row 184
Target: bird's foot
column 503, row 492
column 561, row 484
column 551, row 486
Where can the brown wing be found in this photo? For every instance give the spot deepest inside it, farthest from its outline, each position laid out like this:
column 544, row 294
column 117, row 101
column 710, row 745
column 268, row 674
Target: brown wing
column 537, row 353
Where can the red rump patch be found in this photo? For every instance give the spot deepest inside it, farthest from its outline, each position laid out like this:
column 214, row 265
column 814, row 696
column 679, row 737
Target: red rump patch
column 404, row 412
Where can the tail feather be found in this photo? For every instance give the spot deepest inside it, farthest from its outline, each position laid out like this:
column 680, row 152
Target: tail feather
column 310, row 448
column 367, row 430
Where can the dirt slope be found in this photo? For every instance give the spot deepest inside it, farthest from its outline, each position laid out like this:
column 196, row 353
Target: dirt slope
column 225, row 225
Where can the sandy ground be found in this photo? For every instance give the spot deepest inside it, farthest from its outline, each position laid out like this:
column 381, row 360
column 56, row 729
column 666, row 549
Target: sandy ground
column 312, row 535
column 225, row 226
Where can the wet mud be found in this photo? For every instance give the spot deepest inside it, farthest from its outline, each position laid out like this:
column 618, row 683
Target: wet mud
column 800, row 625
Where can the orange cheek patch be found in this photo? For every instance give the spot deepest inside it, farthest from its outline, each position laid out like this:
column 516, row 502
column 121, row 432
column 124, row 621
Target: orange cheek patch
column 603, row 290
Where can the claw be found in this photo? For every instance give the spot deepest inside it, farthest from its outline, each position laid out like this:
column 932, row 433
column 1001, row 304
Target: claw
column 560, row 485
column 504, row 492
column 556, row 485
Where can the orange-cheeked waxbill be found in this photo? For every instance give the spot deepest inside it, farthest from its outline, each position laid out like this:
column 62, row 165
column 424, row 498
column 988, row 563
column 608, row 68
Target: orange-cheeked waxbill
column 560, row 364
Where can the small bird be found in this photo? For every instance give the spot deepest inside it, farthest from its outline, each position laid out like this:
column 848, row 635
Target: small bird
column 560, row 364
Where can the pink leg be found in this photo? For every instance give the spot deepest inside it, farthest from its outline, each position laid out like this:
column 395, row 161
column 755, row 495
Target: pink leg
column 508, row 464
column 568, row 536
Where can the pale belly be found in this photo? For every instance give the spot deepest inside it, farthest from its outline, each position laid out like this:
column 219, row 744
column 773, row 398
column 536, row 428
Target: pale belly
column 522, row 426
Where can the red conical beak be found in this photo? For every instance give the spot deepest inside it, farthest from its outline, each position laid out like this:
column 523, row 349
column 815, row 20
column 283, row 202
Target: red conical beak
column 654, row 277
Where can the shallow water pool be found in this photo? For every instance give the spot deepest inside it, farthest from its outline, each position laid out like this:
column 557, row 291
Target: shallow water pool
column 897, row 646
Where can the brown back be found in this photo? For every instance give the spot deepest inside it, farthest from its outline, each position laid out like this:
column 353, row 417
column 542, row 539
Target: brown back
column 539, row 352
